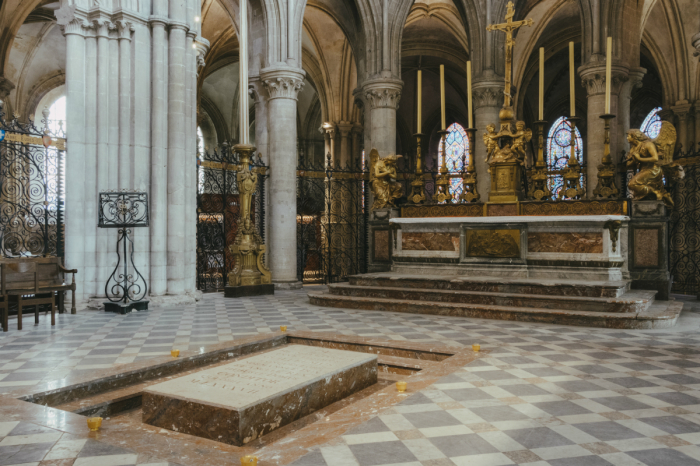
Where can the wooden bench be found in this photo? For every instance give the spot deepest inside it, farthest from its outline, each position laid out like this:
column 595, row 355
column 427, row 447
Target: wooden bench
column 30, row 280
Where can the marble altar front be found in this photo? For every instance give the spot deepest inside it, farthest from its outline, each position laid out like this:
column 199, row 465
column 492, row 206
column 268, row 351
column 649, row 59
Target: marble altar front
column 592, row 247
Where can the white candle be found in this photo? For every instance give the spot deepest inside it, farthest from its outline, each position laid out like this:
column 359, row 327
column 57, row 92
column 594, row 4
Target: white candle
column 541, row 105
column 442, row 96
column 608, row 74
column 572, row 91
column 420, row 100
column 469, row 93
column 243, row 126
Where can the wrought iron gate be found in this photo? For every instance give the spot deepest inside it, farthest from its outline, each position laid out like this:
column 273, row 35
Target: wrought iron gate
column 218, row 213
column 684, row 229
column 331, row 223
column 31, row 189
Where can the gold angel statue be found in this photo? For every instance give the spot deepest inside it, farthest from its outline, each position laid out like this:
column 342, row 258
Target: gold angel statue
column 382, row 177
column 491, row 141
column 521, row 137
column 654, row 160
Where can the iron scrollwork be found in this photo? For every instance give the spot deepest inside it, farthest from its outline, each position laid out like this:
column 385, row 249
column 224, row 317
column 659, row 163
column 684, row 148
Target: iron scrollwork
column 124, row 210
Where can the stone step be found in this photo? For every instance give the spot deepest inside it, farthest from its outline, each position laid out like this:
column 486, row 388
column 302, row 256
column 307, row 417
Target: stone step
column 661, row 314
column 632, row 301
column 599, row 289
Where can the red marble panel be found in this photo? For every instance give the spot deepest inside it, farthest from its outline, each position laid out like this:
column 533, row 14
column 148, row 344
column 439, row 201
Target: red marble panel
column 381, row 245
column 430, row 241
column 646, row 247
column 569, row 243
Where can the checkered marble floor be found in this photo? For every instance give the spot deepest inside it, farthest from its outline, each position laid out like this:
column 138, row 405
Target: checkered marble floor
column 543, row 395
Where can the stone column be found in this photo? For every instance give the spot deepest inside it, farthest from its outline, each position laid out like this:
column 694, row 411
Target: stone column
column 356, row 157
column 124, row 29
column 283, row 84
column 177, row 160
column 326, row 145
column 262, row 145
column 623, row 115
column 159, row 184
column 75, row 120
column 593, row 79
column 91, row 167
column 488, row 100
column 344, row 127
column 104, row 253
column 190, row 160
column 329, row 130
column 383, row 96
column 682, row 111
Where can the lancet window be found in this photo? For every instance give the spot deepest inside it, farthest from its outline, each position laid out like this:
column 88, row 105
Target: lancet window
column 558, row 152
column 652, row 123
column 456, row 143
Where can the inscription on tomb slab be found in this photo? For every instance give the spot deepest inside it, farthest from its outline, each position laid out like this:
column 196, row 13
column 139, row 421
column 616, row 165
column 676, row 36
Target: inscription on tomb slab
column 241, row 401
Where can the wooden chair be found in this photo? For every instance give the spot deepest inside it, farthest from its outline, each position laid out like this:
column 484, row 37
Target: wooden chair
column 31, row 279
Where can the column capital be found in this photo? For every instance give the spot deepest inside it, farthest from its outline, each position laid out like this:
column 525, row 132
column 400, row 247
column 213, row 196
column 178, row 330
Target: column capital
column 682, row 109
column 487, row 94
column 202, row 47
column 695, row 40
column 345, row 127
column 71, row 20
column 383, row 92
column 282, row 82
column 593, row 78
column 6, row 87
column 328, row 128
column 357, row 128
column 102, row 27
column 124, row 29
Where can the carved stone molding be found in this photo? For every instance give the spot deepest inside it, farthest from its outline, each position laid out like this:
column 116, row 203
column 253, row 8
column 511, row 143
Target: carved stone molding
column 202, row 46
column 345, row 127
column 695, row 40
column 283, row 82
column 102, row 27
column 682, row 109
column 124, row 29
column 71, row 21
column 487, row 97
column 383, row 93
column 593, row 79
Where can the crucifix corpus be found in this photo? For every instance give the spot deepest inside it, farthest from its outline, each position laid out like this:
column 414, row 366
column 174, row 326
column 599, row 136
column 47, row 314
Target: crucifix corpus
column 508, row 27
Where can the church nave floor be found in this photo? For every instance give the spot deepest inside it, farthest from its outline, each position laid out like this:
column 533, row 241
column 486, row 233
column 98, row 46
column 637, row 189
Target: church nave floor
column 541, row 395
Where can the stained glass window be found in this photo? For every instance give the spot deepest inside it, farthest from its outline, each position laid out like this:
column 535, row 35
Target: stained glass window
column 456, row 143
column 558, row 152
column 652, row 123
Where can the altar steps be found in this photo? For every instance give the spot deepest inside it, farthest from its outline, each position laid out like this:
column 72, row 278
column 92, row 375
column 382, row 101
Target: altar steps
column 632, row 301
column 594, row 304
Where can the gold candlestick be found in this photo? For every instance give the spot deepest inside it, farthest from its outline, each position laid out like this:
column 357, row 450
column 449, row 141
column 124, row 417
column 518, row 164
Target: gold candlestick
column 469, row 189
column 572, row 174
column 417, row 195
column 538, row 188
column 606, row 187
column 442, row 184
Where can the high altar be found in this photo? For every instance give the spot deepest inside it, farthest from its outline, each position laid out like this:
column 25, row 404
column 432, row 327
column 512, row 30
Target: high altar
column 596, row 260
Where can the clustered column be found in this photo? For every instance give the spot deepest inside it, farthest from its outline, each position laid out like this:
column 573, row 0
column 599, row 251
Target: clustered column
column 131, row 83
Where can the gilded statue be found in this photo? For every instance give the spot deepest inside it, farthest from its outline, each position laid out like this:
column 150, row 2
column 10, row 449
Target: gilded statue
column 521, row 137
column 382, row 177
column 654, row 160
column 490, row 141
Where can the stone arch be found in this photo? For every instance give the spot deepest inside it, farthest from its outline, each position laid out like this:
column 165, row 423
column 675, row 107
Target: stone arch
column 45, row 85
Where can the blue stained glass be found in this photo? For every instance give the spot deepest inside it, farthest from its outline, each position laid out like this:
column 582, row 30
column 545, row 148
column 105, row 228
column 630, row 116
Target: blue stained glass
column 456, row 143
column 558, row 152
column 652, row 123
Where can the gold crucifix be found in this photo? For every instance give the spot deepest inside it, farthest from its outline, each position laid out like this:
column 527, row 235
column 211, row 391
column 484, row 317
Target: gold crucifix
column 508, row 27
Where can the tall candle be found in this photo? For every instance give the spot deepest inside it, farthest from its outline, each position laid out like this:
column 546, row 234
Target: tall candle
column 608, row 74
column 572, row 91
column 541, row 113
column 442, row 95
column 469, row 93
column 420, row 100
column 243, row 110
